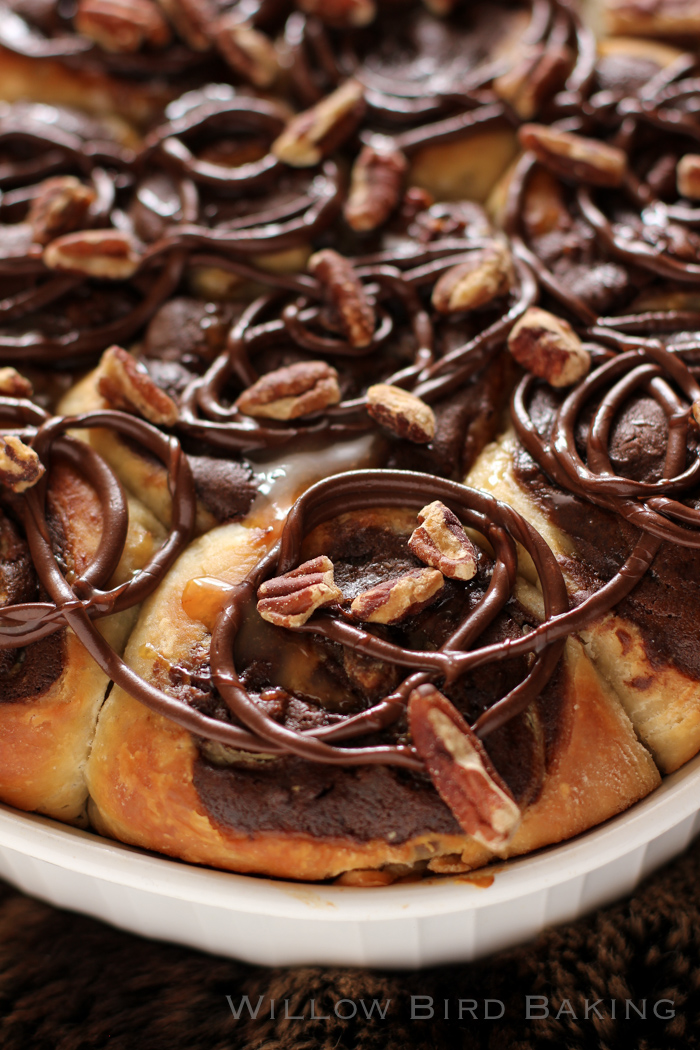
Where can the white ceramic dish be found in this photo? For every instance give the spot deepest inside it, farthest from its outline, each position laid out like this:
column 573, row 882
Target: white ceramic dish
column 411, row 925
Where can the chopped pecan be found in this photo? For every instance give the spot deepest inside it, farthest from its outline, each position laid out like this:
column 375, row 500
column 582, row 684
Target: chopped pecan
column 293, row 391
column 247, row 51
column 394, row 600
column 574, row 157
column 107, row 254
column 404, row 413
column 60, row 207
column 688, row 176
column 375, row 186
column 311, row 135
column 485, row 275
column 12, row 384
column 695, row 409
column 122, row 25
column 346, row 294
column 548, row 347
column 20, row 467
column 289, row 600
column 351, row 14
column 536, row 75
column 440, row 541
column 126, row 384
column 461, row 770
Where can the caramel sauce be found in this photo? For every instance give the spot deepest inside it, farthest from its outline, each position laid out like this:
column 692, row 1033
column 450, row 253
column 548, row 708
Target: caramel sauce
column 204, row 597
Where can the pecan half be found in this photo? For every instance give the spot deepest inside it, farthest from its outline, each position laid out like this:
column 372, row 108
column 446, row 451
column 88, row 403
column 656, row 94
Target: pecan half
column 574, row 157
column 107, row 254
column 375, row 186
column 13, row 384
column 688, row 176
column 535, row 77
column 20, row 467
column 484, row 276
column 293, row 391
column 60, row 207
column 461, row 770
column 548, row 347
column 404, row 413
column 311, row 135
column 247, row 51
column 440, row 541
column 122, row 25
column 126, row 384
column 289, row 600
column 394, row 600
column 346, row 294
column 351, row 14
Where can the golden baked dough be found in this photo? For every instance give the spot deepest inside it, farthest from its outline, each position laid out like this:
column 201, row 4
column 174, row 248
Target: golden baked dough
column 142, row 770
column 45, row 736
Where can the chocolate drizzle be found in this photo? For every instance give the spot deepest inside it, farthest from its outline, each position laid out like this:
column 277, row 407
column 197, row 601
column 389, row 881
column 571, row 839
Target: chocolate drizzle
column 302, row 324
column 644, row 225
column 434, row 70
column 207, row 192
column 276, row 208
column 44, row 31
column 256, row 731
column 87, row 597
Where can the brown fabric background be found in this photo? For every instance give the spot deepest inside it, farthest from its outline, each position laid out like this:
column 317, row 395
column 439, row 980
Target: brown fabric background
column 68, row 983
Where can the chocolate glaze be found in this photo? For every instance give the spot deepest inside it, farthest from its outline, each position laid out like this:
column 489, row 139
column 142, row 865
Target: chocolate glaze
column 248, row 202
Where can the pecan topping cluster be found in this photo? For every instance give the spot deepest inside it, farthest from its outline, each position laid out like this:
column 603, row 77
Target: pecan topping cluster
column 439, row 541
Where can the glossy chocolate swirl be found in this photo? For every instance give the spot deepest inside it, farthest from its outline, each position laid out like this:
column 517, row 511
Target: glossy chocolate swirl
column 416, row 69
column 183, row 45
column 248, row 202
column 83, row 319
column 651, row 506
column 301, row 326
column 254, row 730
column 630, row 236
column 87, row 597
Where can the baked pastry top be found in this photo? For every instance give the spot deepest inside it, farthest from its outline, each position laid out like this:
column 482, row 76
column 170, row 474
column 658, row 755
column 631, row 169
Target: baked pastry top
column 349, row 416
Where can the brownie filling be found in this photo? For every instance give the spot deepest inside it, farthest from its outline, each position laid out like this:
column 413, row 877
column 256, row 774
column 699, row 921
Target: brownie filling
column 665, row 604
column 309, row 681
column 27, row 672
